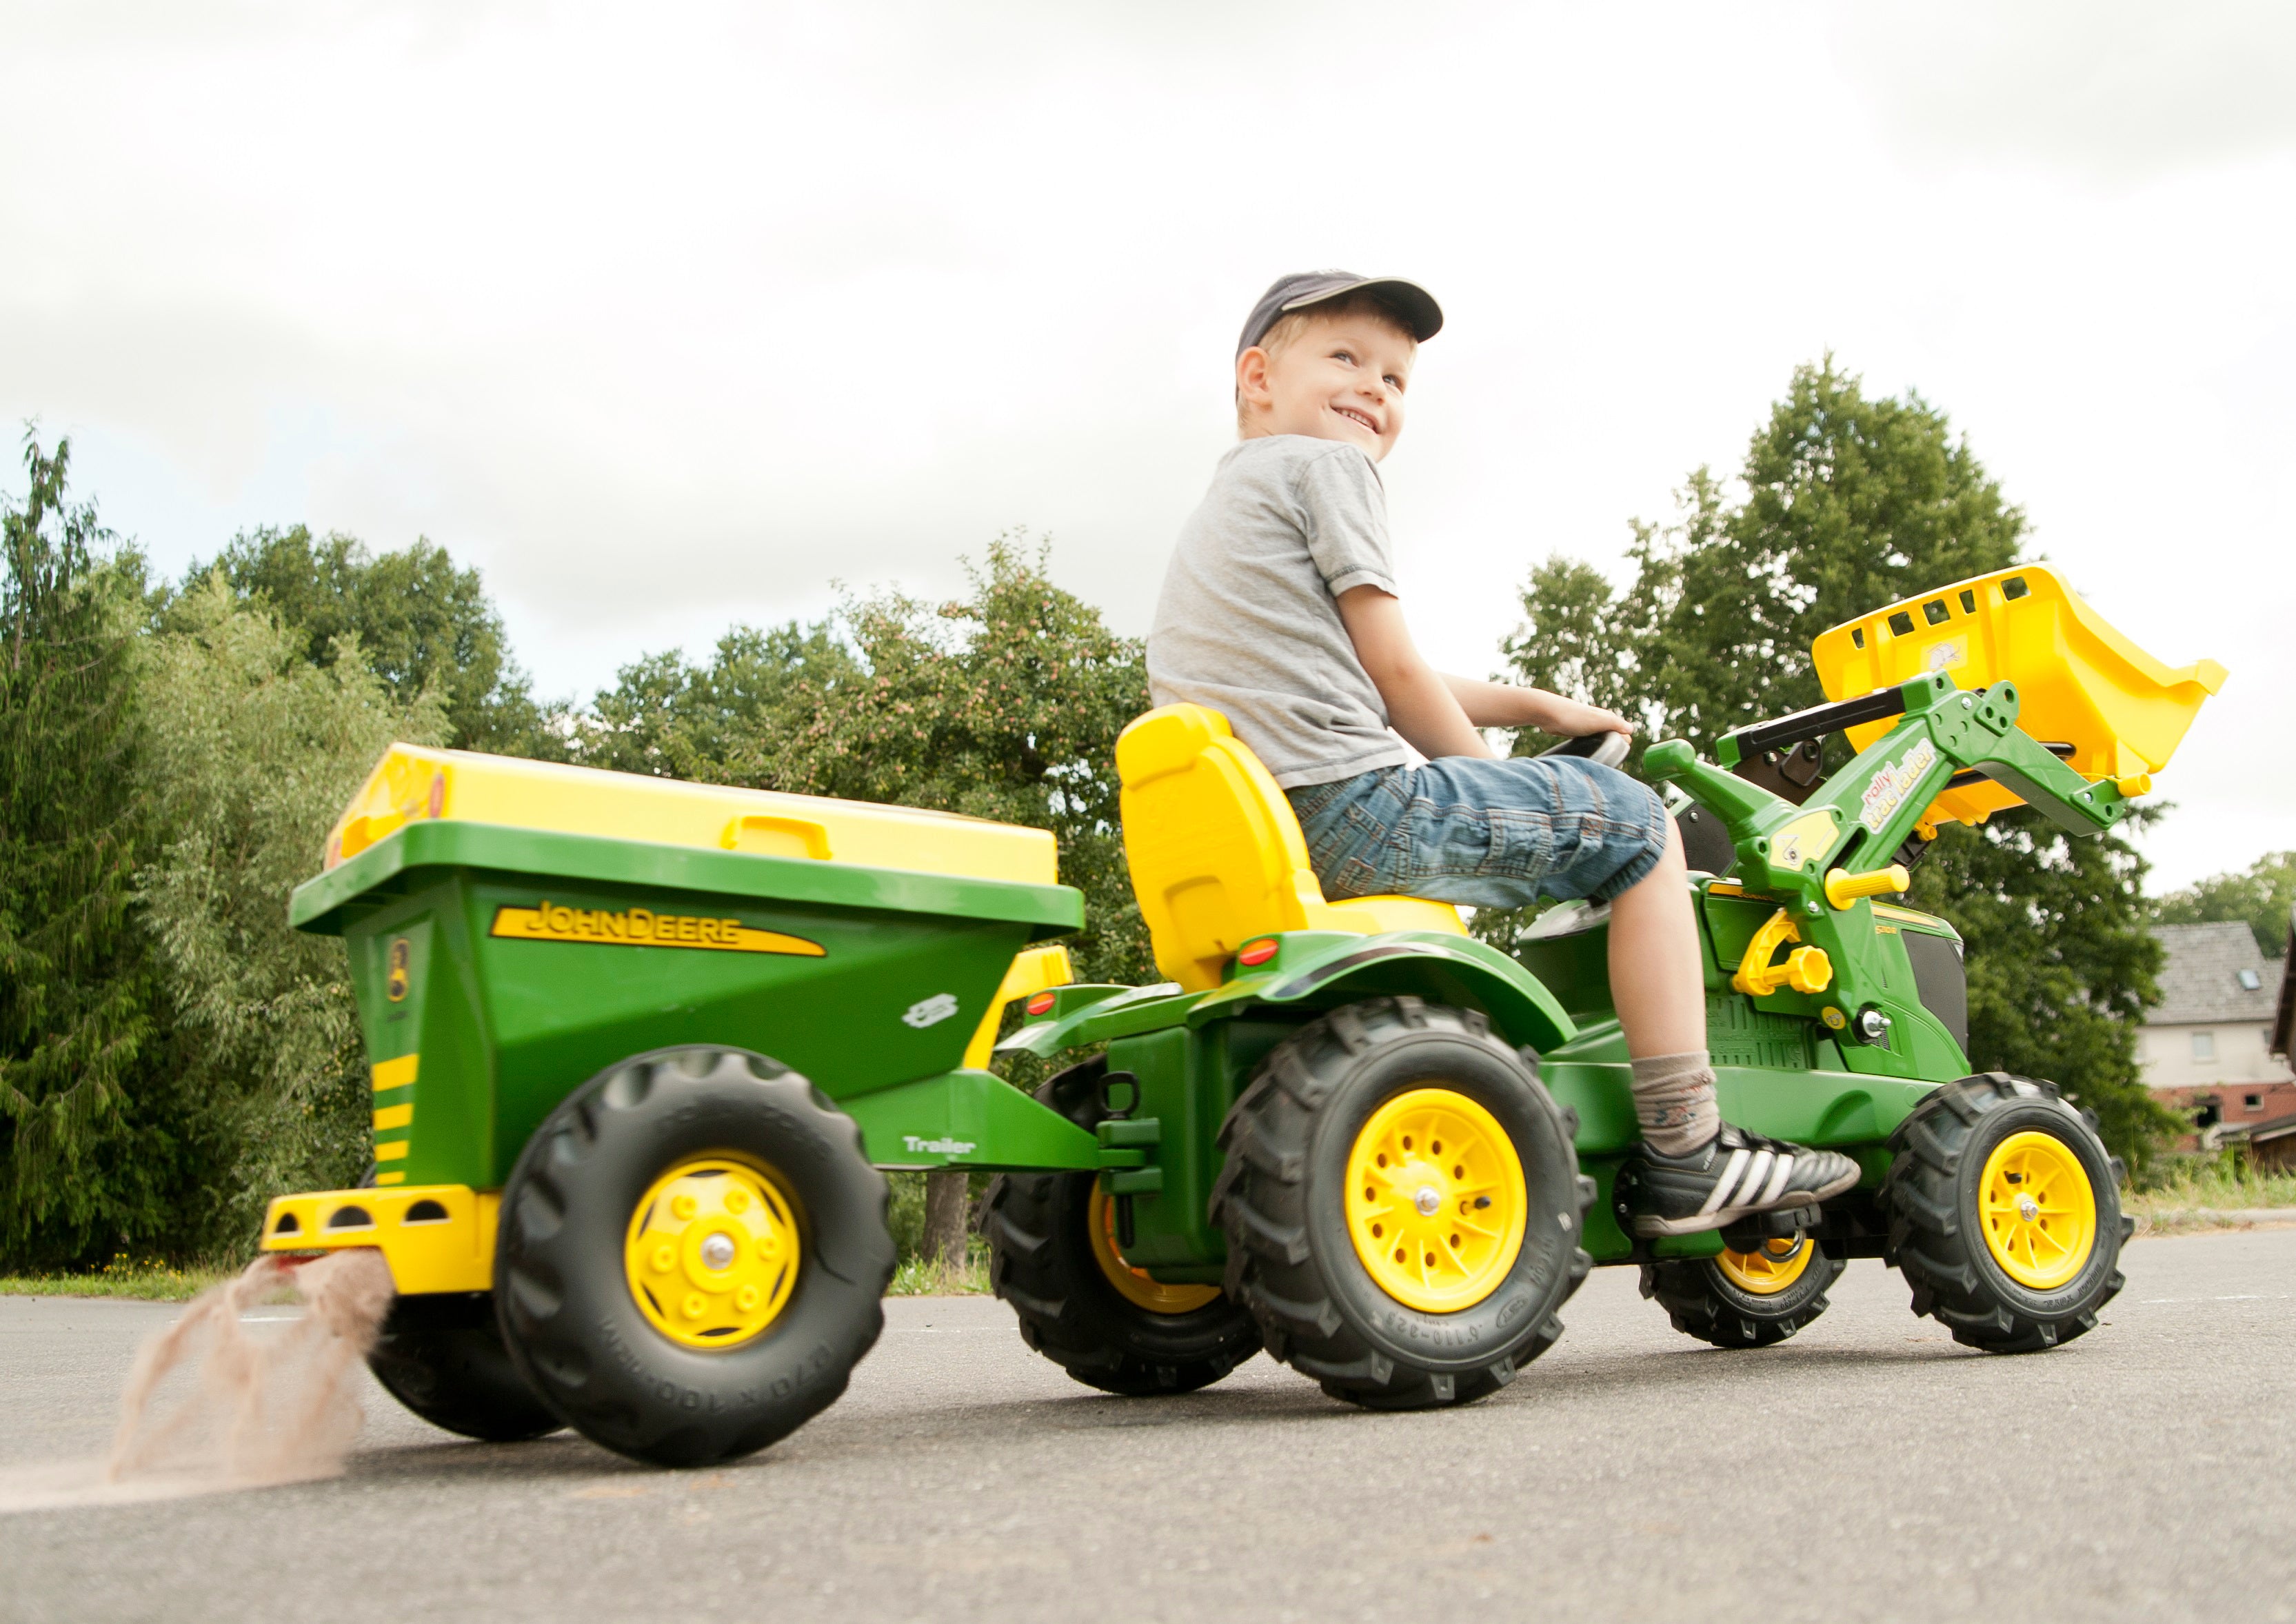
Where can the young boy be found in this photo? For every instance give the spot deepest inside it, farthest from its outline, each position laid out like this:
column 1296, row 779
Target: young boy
column 1280, row 611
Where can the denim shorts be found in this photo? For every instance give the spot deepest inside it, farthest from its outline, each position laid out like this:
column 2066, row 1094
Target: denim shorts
column 1491, row 834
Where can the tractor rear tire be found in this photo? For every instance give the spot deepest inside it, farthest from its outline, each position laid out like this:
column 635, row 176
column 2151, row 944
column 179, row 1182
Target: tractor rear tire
column 1736, row 1300
column 1954, row 1237
column 441, row 1355
column 1299, row 1142
column 1131, row 1336
column 632, row 1185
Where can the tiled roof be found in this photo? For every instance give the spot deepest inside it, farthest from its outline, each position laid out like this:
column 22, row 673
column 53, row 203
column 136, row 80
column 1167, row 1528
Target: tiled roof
column 2200, row 980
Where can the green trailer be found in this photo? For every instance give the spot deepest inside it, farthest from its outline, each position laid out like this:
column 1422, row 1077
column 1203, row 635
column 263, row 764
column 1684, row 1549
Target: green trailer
column 640, row 1049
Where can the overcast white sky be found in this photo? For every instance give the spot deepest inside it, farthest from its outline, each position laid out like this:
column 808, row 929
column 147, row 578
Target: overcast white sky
column 669, row 317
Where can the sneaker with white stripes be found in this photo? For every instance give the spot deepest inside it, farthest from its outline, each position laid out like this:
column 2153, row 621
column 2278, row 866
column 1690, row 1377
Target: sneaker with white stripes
column 1734, row 1176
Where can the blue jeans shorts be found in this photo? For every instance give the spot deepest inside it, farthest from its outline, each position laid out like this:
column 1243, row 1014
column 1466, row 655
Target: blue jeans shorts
column 1491, row 834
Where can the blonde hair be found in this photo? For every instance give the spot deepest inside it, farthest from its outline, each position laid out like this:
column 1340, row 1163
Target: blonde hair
column 1286, row 330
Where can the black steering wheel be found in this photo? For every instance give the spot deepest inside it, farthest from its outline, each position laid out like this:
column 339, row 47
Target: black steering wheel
column 1604, row 749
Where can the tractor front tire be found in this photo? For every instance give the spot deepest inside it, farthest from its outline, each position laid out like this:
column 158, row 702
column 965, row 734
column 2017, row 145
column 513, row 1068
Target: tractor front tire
column 2005, row 1213
column 441, row 1355
column 1745, row 1300
column 691, row 1257
column 1403, row 1205
column 1051, row 1256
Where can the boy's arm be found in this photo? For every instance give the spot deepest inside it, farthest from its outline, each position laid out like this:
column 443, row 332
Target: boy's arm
column 1425, row 706
column 1493, row 704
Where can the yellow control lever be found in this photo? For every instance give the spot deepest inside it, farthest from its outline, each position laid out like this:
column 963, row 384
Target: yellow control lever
column 1843, row 887
column 1805, row 969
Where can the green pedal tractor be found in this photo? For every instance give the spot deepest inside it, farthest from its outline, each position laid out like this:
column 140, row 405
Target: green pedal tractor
column 640, row 1048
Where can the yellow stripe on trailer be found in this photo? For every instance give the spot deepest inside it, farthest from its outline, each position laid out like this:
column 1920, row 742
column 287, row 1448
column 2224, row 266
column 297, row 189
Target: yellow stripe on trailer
column 396, row 1073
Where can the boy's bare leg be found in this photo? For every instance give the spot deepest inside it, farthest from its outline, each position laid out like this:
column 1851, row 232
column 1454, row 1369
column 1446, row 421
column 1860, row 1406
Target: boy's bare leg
column 1658, row 972
column 1698, row 1173
column 1658, row 983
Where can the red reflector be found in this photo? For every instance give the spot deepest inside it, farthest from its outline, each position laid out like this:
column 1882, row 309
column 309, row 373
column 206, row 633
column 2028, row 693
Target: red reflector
column 1038, row 1004
column 1257, row 953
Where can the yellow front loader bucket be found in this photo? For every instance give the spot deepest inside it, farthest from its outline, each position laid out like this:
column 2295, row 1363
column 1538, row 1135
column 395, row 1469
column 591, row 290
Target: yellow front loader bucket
column 2106, row 706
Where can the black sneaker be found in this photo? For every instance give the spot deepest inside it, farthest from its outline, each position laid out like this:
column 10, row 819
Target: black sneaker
column 1735, row 1176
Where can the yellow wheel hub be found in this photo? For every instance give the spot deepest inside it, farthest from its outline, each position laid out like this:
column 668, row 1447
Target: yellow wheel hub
column 2037, row 1209
column 1769, row 1269
column 1134, row 1284
column 712, row 1253
column 1436, row 1202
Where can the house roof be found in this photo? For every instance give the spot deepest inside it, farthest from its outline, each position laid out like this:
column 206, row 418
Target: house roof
column 2201, row 976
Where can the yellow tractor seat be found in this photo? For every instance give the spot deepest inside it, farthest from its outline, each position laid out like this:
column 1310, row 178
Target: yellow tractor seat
column 1216, row 855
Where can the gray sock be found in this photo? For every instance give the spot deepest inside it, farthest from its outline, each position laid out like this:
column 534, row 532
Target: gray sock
column 1674, row 1102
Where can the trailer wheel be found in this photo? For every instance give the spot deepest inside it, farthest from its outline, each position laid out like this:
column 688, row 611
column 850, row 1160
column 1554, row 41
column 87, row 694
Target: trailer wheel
column 1403, row 1205
column 2005, row 1213
column 692, row 1251
column 442, row 1357
column 1745, row 1300
column 1053, row 1256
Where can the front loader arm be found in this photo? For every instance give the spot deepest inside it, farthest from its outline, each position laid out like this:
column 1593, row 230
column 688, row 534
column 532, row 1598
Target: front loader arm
column 1862, row 814
column 1821, row 861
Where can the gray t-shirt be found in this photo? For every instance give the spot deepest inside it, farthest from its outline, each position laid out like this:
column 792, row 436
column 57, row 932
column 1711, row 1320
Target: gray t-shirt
column 1248, row 621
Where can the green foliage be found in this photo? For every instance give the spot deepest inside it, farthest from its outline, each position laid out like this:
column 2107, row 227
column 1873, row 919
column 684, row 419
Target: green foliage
column 421, row 625
column 1849, row 504
column 2259, row 897
column 85, row 1156
column 252, row 751
column 1004, row 705
column 679, row 720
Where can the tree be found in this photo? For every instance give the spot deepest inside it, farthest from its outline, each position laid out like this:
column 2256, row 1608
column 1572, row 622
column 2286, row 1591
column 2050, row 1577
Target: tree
column 1847, row 504
column 419, row 623
column 679, row 720
column 88, row 1159
column 252, row 751
column 2259, row 897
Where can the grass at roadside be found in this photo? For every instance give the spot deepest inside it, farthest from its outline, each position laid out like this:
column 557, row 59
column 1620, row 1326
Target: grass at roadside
column 916, row 1278
column 150, row 1281
column 2192, row 1197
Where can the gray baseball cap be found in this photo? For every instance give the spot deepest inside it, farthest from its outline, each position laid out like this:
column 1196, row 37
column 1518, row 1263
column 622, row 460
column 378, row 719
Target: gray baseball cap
column 1415, row 304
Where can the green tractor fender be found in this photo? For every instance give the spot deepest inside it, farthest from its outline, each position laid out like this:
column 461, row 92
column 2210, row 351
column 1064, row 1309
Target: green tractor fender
column 1322, row 969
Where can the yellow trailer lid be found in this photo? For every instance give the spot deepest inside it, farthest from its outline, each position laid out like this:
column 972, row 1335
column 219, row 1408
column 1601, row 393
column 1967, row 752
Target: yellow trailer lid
column 411, row 784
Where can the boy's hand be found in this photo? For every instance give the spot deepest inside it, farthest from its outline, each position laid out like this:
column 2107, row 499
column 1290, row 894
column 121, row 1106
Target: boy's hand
column 1566, row 719
column 1493, row 704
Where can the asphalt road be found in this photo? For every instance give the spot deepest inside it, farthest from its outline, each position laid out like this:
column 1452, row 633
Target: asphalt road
column 1869, row 1469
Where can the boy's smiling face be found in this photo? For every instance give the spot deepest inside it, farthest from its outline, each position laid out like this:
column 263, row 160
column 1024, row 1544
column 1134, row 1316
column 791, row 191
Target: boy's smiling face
column 1342, row 376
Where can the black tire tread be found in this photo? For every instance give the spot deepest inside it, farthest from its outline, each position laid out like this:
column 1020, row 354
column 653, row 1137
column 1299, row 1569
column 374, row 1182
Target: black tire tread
column 1698, row 1304
column 1261, row 1201
column 1076, row 1320
column 442, row 1357
column 613, row 1399
column 1926, row 1243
